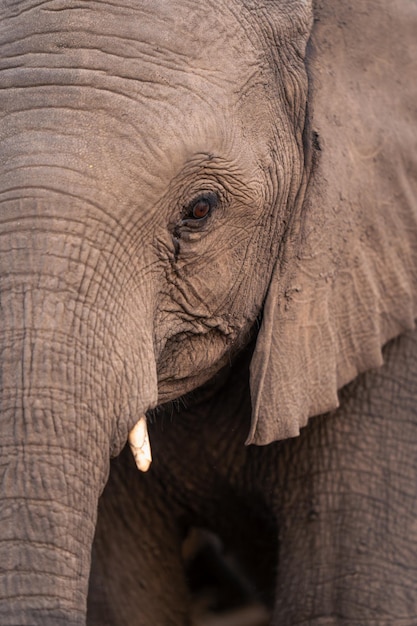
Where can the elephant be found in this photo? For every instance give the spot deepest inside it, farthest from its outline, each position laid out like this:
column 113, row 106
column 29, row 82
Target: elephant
column 184, row 184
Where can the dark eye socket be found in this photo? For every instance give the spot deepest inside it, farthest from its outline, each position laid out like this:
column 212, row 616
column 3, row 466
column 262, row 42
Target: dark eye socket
column 200, row 208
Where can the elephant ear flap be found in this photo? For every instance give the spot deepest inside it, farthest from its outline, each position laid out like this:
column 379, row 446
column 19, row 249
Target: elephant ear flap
column 346, row 280
column 293, row 372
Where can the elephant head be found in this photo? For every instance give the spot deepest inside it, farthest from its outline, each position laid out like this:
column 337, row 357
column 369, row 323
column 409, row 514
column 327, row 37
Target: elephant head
column 163, row 181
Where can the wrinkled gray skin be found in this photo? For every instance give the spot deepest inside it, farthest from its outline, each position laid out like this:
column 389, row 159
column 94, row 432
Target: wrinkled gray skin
column 167, row 172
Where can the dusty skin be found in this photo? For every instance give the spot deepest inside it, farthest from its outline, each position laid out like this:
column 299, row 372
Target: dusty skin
column 216, row 202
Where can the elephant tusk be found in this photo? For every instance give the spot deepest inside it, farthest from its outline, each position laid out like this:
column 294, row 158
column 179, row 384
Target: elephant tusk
column 140, row 446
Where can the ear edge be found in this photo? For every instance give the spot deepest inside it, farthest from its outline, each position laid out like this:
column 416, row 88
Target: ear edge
column 282, row 416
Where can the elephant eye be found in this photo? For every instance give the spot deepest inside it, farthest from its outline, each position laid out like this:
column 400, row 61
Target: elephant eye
column 201, row 207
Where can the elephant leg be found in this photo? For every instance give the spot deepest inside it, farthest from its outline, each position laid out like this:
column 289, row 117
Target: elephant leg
column 348, row 507
column 137, row 576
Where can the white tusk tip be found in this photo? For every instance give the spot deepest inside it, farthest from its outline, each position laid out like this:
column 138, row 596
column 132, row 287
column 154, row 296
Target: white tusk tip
column 140, row 445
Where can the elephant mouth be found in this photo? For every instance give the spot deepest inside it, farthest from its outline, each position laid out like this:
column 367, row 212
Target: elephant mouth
column 186, row 363
column 190, row 360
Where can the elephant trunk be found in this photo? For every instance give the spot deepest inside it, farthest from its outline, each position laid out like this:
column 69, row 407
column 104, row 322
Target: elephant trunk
column 47, row 518
column 71, row 388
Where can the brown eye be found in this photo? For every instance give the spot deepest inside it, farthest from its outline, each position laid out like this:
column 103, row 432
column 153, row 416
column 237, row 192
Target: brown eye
column 201, row 208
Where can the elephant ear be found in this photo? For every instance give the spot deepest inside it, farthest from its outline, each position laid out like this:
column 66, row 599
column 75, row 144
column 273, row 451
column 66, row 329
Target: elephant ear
column 346, row 280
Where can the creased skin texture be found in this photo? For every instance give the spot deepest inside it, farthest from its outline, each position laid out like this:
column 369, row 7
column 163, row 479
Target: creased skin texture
column 46, row 555
column 325, row 523
column 114, row 119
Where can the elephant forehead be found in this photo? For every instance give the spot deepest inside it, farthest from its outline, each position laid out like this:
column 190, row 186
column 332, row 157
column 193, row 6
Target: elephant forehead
column 160, row 69
column 149, row 41
column 132, row 91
